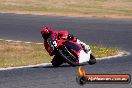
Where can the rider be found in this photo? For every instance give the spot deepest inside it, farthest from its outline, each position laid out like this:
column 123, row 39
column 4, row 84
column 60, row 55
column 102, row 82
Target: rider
column 46, row 32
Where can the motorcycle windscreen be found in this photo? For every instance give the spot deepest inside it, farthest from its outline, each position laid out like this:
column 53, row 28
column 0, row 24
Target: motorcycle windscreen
column 71, row 45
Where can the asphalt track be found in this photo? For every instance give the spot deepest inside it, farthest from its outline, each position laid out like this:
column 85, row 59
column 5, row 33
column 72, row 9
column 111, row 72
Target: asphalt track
column 107, row 32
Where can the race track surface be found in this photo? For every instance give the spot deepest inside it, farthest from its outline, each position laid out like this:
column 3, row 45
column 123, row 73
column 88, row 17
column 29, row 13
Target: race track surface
column 106, row 32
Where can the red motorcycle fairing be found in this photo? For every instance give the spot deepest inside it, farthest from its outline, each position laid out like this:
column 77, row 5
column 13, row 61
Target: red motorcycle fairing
column 72, row 46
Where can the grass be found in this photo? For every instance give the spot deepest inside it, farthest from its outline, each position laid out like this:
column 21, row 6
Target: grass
column 79, row 7
column 100, row 51
column 17, row 54
column 20, row 54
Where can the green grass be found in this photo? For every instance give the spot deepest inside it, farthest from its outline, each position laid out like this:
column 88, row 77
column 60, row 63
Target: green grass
column 79, row 7
column 20, row 54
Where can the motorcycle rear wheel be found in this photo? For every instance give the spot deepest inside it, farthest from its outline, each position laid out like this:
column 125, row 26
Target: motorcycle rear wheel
column 92, row 59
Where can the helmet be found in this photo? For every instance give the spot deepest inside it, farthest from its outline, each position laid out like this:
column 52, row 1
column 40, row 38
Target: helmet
column 46, row 32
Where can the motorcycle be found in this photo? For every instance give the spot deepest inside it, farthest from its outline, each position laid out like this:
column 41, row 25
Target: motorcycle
column 70, row 51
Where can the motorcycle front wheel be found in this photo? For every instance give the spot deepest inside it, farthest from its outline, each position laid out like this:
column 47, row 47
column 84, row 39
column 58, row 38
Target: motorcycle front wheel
column 68, row 57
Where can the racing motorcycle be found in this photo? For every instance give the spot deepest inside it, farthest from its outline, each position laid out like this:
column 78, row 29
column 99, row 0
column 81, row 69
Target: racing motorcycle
column 70, row 51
